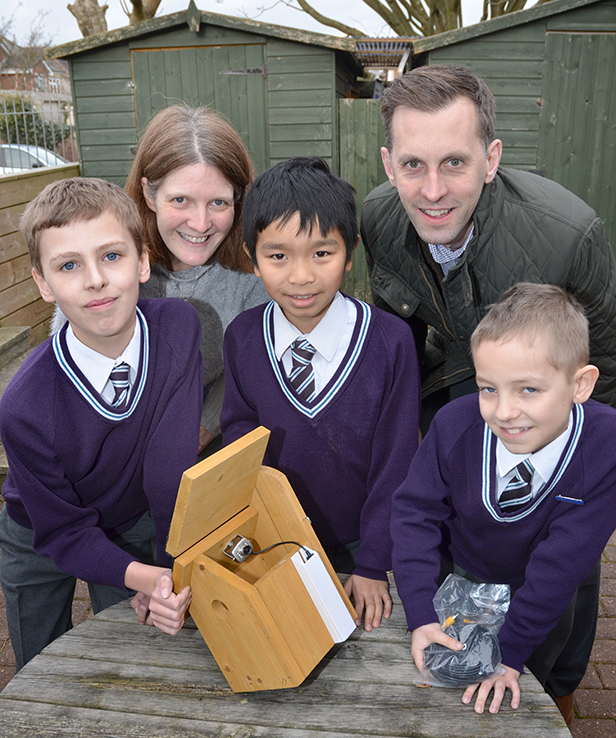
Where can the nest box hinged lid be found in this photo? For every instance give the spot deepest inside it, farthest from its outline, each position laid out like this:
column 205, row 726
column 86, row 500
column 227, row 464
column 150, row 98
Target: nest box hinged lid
column 264, row 595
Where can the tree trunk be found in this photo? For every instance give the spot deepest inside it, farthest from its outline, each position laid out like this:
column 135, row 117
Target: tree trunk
column 142, row 10
column 90, row 16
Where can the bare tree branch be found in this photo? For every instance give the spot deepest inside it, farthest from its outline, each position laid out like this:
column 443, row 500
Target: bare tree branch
column 389, row 17
column 329, row 21
column 411, row 17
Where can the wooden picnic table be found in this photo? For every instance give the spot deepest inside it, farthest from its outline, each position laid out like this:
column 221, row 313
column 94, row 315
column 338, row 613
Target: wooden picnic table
column 110, row 676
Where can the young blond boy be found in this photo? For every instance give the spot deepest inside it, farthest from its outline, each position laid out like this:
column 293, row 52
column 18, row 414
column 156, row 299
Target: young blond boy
column 540, row 527
column 343, row 412
column 98, row 424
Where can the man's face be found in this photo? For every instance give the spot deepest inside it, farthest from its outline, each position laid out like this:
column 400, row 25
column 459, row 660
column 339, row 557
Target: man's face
column 439, row 166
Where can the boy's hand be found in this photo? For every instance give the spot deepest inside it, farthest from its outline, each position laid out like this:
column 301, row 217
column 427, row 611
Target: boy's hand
column 141, row 605
column 371, row 595
column 424, row 636
column 499, row 684
column 154, row 585
column 168, row 610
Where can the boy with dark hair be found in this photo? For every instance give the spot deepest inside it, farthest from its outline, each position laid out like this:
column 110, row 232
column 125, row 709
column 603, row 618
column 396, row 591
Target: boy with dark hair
column 98, row 424
column 334, row 380
column 516, row 486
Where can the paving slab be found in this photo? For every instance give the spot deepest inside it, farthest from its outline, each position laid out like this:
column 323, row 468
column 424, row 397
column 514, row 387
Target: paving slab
column 607, row 675
column 608, row 605
column 593, row 728
column 591, row 679
column 608, row 587
column 606, row 629
column 604, row 652
column 595, row 703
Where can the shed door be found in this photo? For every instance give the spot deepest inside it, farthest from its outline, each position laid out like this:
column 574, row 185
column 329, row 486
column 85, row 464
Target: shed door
column 164, row 77
column 577, row 129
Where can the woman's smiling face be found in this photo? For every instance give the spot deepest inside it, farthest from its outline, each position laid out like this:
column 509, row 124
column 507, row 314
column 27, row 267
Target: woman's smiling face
column 194, row 208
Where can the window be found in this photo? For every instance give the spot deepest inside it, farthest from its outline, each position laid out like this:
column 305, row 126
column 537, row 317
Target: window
column 54, row 84
column 19, row 159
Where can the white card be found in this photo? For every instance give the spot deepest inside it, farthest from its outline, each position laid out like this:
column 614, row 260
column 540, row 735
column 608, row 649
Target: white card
column 324, row 594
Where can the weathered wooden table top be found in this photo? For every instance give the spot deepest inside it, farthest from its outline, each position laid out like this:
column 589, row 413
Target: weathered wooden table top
column 110, row 676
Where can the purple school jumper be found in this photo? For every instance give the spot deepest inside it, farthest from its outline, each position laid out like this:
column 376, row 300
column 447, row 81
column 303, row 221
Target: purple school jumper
column 547, row 548
column 81, row 471
column 347, row 451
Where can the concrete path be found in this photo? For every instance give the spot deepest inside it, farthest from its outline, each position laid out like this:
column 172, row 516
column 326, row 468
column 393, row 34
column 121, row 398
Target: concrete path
column 595, row 700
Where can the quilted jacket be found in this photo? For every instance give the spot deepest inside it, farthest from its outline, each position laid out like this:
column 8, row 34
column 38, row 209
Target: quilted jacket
column 527, row 228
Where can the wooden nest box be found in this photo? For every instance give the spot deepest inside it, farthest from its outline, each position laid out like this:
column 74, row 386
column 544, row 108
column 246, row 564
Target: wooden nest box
column 270, row 618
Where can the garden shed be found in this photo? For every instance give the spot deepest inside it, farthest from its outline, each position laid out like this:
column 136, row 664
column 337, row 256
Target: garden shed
column 551, row 69
column 278, row 86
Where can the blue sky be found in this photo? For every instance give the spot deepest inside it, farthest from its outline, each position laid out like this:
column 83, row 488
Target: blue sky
column 60, row 26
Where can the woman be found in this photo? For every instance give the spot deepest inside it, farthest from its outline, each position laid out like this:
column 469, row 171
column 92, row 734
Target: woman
column 189, row 178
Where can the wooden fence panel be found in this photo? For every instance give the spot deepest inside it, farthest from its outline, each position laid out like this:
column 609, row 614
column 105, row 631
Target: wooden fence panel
column 20, row 302
column 361, row 137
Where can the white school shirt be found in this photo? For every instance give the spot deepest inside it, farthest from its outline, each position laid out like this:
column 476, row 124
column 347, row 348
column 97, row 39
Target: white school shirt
column 96, row 367
column 544, row 462
column 331, row 338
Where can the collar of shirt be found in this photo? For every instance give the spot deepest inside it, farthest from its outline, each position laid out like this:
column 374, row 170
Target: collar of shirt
column 331, row 339
column 325, row 336
column 544, row 461
column 442, row 255
column 96, row 367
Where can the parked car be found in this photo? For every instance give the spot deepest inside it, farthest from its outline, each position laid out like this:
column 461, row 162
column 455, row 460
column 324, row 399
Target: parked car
column 22, row 157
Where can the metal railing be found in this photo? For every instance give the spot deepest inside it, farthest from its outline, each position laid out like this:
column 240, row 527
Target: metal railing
column 35, row 131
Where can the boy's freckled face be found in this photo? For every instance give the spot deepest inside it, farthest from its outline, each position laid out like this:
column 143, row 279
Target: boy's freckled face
column 522, row 397
column 301, row 271
column 92, row 270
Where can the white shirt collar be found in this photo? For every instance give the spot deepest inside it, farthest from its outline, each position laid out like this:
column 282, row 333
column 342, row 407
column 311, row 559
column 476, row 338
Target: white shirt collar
column 325, row 336
column 96, row 367
column 544, row 461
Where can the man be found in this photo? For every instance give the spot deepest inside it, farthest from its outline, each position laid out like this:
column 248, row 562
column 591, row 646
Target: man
column 451, row 231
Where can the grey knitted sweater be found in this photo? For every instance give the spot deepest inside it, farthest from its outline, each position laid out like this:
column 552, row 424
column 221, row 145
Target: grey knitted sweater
column 219, row 295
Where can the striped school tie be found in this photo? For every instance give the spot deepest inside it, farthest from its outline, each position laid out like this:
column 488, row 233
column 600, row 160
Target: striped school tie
column 302, row 373
column 120, row 379
column 519, row 489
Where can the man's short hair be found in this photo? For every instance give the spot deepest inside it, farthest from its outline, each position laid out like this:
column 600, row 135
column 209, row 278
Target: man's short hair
column 77, row 199
column 303, row 185
column 434, row 88
column 544, row 312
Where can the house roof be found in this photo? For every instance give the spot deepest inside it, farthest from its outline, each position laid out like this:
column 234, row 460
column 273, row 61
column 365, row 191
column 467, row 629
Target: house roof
column 447, row 38
column 193, row 18
column 10, row 58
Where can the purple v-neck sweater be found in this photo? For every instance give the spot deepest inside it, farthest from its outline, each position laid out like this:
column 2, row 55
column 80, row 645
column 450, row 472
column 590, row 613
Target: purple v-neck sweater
column 547, row 548
column 81, row 472
column 347, row 451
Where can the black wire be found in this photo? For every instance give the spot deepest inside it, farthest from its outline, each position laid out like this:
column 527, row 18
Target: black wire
column 284, row 543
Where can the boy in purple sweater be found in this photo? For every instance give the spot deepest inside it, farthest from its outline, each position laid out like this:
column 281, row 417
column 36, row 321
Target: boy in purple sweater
column 516, row 486
column 98, row 424
column 334, row 380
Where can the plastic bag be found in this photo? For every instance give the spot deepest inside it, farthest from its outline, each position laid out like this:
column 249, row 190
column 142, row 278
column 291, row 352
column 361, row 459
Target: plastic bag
column 472, row 614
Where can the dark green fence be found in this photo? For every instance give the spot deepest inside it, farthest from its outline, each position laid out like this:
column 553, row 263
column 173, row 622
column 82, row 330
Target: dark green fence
column 361, row 138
